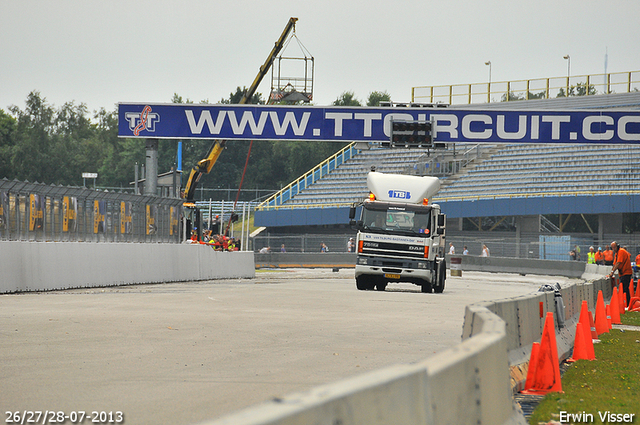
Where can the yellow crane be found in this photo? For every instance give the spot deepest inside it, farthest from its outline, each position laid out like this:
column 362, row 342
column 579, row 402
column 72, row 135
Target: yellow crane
column 204, row 165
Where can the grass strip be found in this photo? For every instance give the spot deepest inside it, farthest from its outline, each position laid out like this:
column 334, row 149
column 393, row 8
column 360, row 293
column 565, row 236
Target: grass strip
column 594, row 389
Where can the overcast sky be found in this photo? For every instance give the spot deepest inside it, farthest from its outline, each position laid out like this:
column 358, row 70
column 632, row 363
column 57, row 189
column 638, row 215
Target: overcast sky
column 104, row 52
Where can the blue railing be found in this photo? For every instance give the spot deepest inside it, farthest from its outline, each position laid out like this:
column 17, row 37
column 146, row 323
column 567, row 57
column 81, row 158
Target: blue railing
column 309, row 178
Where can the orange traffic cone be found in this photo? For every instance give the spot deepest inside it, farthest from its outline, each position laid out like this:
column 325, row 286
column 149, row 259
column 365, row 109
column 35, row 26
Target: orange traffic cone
column 631, row 290
column 579, row 346
column 634, row 303
column 638, row 288
column 602, row 326
column 608, row 309
column 547, row 367
column 586, row 330
column 594, row 334
column 622, row 300
column 615, row 305
column 533, row 361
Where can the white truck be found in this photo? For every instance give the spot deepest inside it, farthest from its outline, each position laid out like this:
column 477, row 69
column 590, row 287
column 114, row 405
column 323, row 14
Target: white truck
column 401, row 236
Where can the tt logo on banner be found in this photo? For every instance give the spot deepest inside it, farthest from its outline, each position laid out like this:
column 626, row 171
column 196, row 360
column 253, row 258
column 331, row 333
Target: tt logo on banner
column 146, row 120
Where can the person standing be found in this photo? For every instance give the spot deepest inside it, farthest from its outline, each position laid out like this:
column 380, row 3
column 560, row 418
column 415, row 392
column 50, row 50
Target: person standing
column 485, row 251
column 608, row 257
column 452, row 249
column 591, row 256
column 466, row 251
column 622, row 263
column 599, row 257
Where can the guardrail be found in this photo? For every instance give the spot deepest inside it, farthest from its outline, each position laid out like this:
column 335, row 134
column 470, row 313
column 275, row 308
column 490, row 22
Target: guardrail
column 538, row 88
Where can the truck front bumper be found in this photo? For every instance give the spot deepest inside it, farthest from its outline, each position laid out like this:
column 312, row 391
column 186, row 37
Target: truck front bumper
column 395, row 270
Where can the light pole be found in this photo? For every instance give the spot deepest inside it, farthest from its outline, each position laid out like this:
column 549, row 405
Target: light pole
column 489, row 84
column 568, row 58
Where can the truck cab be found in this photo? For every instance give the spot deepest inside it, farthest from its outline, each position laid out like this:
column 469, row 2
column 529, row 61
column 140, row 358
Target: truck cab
column 401, row 236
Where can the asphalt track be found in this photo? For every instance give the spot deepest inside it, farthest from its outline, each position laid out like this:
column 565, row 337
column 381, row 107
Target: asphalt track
column 186, row 352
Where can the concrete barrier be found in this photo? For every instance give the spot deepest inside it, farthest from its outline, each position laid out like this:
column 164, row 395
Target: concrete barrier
column 306, row 259
column 43, row 266
column 468, row 384
column 468, row 263
column 524, row 321
column 520, row 266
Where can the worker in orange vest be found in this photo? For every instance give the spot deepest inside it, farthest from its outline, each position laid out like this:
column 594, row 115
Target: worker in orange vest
column 608, row 257
column 622, row 263
column 599, row 256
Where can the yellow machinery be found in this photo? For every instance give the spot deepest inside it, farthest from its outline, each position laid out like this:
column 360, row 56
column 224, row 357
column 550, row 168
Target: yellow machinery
column 205, row 165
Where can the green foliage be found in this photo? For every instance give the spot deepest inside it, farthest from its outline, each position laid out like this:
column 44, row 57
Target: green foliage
column 347, row 98
column 521, row 96
column 375, row 97
column 236, row 97
column 580, row 89
column 7, row 134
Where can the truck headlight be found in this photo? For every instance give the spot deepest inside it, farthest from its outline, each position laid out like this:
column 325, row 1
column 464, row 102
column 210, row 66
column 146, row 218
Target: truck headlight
column 422, row 265
column 362, row 261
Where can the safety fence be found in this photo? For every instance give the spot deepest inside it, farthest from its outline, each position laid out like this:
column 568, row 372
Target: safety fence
column 40, row 212
column 543, row 246
column 538, row 88
column 302, row 243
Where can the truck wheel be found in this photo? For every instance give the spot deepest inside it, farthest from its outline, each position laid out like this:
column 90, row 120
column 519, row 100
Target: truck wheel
column 364, row 283
column 381, row 286
column 442, row 276
column 426, row 287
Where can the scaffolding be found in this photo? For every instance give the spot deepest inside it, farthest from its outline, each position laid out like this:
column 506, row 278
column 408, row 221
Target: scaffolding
column 292, row 75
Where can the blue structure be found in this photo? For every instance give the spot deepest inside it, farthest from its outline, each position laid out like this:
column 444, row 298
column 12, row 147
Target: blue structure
column 503, row 180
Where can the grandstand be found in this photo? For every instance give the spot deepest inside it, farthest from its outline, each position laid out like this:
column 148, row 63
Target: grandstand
column 484, row 180
column 543, row 169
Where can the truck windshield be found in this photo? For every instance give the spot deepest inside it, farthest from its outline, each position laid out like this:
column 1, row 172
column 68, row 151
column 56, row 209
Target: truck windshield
column 398, row 222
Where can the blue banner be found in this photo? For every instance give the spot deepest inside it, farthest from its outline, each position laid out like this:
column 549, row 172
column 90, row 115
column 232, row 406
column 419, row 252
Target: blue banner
column 363, row 124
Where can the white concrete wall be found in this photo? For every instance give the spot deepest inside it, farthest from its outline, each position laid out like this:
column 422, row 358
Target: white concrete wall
column 465, row 385
column 41, row 266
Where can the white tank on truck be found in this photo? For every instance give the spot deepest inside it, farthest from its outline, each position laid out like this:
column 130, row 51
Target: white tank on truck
column 401, row 235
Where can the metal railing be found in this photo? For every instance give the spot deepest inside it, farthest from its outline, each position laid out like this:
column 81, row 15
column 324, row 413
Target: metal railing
column 302, row 243
column 309, row 178
column 537, row 195
column 445, row 163
column 40, row 212
column 538, row 88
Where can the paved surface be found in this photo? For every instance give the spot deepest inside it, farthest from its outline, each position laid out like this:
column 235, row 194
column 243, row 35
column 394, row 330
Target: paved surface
column 187, row 352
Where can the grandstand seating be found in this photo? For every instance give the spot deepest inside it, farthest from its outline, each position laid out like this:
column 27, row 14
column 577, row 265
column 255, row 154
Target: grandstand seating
column 513, row 170
column 348, row 182
column 539, row 169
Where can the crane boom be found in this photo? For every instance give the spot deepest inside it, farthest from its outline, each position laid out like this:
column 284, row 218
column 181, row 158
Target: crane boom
column 205, row 165
column 291, row 25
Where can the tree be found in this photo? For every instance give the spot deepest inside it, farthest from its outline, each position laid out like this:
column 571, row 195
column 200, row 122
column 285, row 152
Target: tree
column 580, row 90
column 347, row 98
column 30, row 157
column 7, row 135
column 236, row 97
column 375, row 97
